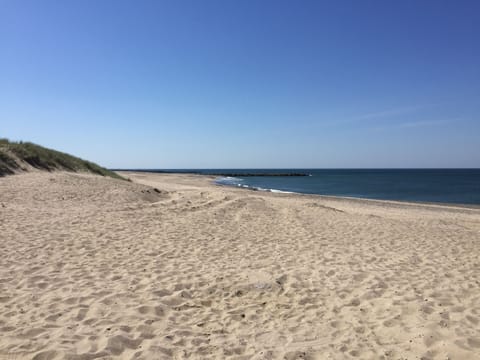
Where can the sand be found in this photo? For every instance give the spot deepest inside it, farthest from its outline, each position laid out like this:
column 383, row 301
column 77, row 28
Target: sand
column 93, row 267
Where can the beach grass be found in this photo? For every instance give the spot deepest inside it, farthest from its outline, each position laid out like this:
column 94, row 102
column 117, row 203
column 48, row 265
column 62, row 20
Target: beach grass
column 15, row 155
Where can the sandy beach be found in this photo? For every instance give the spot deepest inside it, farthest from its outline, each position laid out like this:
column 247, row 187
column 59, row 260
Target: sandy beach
column 174, row 267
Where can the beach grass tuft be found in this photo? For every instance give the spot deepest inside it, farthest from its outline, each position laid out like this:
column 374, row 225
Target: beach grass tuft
column 15, row 154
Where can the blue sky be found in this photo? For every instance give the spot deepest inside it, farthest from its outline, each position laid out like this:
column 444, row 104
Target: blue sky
column 231, row 84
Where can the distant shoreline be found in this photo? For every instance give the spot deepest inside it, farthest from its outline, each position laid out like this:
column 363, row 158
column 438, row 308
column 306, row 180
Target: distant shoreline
column 392, row 203
column 221, row 173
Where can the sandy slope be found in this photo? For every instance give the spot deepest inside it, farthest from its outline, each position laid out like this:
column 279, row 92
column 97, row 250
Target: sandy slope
column 93, row 267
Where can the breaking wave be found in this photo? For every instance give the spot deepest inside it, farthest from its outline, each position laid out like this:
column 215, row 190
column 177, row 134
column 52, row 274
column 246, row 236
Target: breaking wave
column 233, row 181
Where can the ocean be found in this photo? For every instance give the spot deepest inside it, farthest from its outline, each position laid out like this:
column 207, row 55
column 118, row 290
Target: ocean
column 454, row 186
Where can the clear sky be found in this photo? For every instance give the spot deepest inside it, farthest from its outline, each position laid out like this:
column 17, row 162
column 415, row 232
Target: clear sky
column 244, row 83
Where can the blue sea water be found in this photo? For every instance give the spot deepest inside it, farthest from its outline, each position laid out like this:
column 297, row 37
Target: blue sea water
column 459, row 186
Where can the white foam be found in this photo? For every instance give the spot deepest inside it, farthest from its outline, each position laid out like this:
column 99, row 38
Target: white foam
column 233, row 181
column 281, row 191
column 228, row 180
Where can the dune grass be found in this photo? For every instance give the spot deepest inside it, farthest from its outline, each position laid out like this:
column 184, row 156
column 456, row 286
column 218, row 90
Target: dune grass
column 14, row 156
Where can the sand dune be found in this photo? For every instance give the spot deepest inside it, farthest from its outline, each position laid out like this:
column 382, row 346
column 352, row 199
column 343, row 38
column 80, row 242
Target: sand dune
column 93, row 267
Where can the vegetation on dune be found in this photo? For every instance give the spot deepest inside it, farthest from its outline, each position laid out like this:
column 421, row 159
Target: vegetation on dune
column 7, row 164
column 15, row 155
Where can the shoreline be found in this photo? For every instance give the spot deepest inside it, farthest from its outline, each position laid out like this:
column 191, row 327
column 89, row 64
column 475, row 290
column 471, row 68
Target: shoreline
column 338, row 197
column 399, row 203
